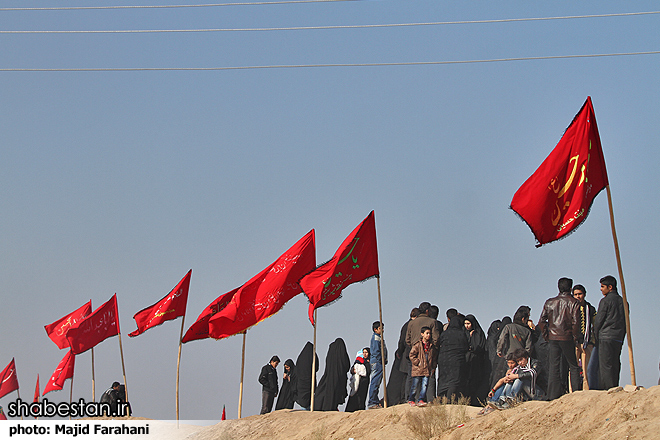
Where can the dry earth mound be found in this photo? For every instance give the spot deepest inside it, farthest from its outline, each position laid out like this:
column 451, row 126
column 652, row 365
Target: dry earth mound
column 614, row 414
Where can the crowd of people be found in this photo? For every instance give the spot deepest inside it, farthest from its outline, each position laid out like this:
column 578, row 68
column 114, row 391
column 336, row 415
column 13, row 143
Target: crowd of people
column 572, row 347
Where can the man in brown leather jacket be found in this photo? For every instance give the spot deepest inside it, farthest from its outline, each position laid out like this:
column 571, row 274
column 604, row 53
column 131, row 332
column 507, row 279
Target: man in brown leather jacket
column 560, row 326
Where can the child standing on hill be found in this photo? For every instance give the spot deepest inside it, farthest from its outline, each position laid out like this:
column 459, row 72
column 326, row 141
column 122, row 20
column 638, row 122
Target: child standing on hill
column 377, row 360
column 424, row 359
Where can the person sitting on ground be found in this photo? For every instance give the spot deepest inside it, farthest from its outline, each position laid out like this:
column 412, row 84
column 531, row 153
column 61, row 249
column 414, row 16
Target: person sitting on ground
column 523, row 386
column 423, row 357
column 498, row 388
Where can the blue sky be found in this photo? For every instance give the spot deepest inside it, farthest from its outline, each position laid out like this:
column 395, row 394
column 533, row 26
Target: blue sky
column 123, row 181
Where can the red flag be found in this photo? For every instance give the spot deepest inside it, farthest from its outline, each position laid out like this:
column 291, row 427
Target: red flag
column 557, row 198
column 355, row 260
column 57, row 330
column 63, row 372
column 101, row 324
column 224, row 416
column 36, row 391
column 266, row 292
column 200, row 328
column 170, row 307
column 8, row 379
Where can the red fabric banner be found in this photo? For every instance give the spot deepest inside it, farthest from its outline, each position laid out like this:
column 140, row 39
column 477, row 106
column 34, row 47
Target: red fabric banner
column 36, row 391
column 57, row 330
column 8, row 379
column 100, row 325
column 200, row 328
column 355, row 260
column 170, row 307
column 224, row 415
column 63, row 372
column 266, row 293
column 557, row 198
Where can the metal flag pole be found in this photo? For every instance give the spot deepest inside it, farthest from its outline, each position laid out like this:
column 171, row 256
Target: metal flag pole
column 178, row 364
column 382, row 343
column 240, row 392
column 623, row 289
column 311, row 407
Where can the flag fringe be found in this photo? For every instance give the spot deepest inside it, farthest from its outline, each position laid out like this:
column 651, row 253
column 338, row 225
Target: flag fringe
column 584, row 217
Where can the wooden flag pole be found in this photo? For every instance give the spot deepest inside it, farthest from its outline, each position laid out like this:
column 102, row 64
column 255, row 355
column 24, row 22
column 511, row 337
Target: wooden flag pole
column 178, row 364
column 382, row 343
column 240, row 391
column 71, row 395
column 93, row 382
column 311, row 407
column 123, row 368
column 623, row 290
column 19, row 397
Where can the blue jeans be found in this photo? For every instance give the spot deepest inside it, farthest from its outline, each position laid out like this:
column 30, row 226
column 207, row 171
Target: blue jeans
column 498, row 393
column 422, row 393
column 374, row 385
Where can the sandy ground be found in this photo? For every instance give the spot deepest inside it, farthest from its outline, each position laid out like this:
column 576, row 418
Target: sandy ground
column 614, row 414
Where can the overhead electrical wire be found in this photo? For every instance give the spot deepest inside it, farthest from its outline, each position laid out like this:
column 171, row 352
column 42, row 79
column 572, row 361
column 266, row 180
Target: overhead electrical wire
column 355, row 26
column 298, row 66
column 205, row 5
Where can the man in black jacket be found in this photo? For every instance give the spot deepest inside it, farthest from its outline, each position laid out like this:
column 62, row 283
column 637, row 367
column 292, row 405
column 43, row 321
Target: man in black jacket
column 610, row 329
column 560, row 326
column 268, row 379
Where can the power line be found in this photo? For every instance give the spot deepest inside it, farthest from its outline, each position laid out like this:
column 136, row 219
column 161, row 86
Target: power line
column 297, row 28
column 206, row 5
column 298, row 66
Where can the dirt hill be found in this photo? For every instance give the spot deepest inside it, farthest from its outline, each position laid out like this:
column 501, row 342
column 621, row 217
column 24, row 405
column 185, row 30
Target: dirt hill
column 614, row 414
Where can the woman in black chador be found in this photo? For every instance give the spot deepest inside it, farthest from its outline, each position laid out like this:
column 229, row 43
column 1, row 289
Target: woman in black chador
column 497, row 364
column 288, row 390
column 478, row 365
column 359, row 382
column 304, row 375
column 331, row 391
column 454, row 346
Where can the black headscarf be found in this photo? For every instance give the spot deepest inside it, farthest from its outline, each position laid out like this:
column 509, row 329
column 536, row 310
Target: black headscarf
column 478, row 364
column 331, row 391
column 288, row 391
column 304, row 375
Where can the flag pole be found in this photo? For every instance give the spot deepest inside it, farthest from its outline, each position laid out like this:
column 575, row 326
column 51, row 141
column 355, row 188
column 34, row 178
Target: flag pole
column 382, row 343
column 19, row 398
column 623, row 289
column 178, row 363
column 311, row 407
column 71, row 395
column 93, row 382
column 123, row 368
column 240, row 390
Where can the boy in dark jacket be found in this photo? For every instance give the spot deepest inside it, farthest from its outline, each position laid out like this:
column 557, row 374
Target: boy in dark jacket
column 268, row 379
column 423, row 357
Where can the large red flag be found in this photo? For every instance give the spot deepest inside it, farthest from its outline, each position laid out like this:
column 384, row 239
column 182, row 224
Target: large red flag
column 57, row 330
column 266, row 293
column 355, row 260
column 200, row 328
column 63, row 372
column 8, row 379
column 36, row 391
column 101, row 324
column 170, row 307
column 557, row 198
